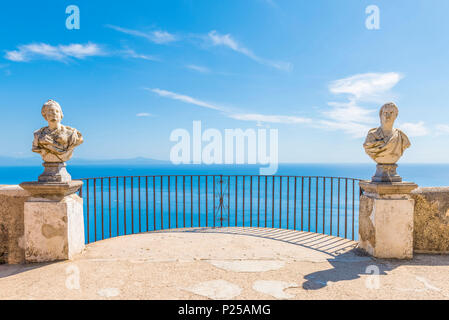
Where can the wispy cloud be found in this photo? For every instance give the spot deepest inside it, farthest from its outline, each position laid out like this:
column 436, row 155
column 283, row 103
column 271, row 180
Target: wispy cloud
column 133, row 54
column 186, row 99
column 366, row 86
column 34, row 51
column 198, row 68
column 414, row 129
column 228, row 41
column 242, row 116
column 262, row 118
column 157, row 36
column 144, row 114
column 349, row 116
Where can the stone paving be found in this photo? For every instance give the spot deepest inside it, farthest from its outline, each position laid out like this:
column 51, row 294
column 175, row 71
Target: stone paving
column 227, row 263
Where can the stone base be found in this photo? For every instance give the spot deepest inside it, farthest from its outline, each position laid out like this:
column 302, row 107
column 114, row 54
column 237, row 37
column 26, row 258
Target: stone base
column 386, row 219
column 54, row 230
column 386, row 173
column 54, row 191
column 55, row 172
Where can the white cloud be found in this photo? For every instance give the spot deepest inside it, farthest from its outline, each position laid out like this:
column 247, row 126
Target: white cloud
column 60, row 53
column 198, row 68
column 349, row 112
column 158, row 36
column 414, row 129
column 144, row 114
column 132, row 54
column 226, row 40
column 366, row 86
column 350, row 116
column 354, row 129
column 256, row 117
column 186, row 99
column 262, row 118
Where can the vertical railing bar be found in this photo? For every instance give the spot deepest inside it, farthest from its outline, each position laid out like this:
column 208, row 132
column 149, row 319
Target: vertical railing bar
column 310, row 184
column 266, row 200
column 251, row 202
column 236, row 198
column 169, row 203
column 154, row 203
column 213, row 201
column 243, row 205
column 146, row 201
column 331, row 204
column 191, row 201
column 338, row 209
column 229, row 200
column 183, row 201
column 280, row 201
column 132, row 205
column 258, row 201
column 124, row 205
column 140, row 206
column 176, row 200
column 102, row 209
column 221, row 201
column 294, row 213
column 272, row 203
column 162, row 210
column 353, row 189
column 199, row 204
column 95, row 208
column 288, row 200
column 117, row 183
column 316, row 204
column 207, row 223
column 110, row 213
column 88, row 209
column 302, row 203
column 346, row 207
column 324, row 204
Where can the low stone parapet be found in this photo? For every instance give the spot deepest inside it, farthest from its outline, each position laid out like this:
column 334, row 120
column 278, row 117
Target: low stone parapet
column 12, row 246
column 431, row 220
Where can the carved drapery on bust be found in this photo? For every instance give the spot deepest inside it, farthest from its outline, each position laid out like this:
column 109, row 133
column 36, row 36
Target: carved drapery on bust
column 386, row 145
column 386, row 149
column 56, row 142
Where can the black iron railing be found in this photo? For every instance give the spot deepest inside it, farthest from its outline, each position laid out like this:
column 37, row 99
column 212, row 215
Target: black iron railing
column 115, row 206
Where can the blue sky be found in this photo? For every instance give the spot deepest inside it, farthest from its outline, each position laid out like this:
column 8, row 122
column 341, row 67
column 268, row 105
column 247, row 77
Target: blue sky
column 137, row 70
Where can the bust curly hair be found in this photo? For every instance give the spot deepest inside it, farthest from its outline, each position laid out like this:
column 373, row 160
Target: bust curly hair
column 51, row 103
column 389, row 104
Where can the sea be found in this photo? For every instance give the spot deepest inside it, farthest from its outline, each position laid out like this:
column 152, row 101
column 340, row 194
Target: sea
column 223, row 195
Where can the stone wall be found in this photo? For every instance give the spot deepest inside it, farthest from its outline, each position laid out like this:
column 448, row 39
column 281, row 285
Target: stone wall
column 431, row 220
column 12, row 200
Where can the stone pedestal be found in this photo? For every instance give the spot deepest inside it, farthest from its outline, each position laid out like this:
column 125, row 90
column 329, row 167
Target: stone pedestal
column 55, row 172
column 386, row 219
column 53, row 221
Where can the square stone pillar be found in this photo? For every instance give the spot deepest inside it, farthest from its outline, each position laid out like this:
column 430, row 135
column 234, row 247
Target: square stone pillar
column 386, row 219
column 53, row 221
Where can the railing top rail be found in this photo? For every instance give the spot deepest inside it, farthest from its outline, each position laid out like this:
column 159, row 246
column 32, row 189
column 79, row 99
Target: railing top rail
column 220, row 175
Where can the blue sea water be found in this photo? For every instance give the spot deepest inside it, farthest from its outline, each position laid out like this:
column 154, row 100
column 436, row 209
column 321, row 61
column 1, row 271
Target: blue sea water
column 125, row 205
column 425, row 175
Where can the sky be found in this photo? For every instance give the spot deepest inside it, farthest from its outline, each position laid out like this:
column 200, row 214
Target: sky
column 135, row 71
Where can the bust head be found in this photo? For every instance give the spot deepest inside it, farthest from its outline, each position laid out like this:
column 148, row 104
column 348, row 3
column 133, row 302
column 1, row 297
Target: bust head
column 52, row 112
column 388, row 113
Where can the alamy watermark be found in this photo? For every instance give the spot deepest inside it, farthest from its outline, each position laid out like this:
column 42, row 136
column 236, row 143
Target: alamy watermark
column 372, row 22
column 73, row 20
column 260, row 149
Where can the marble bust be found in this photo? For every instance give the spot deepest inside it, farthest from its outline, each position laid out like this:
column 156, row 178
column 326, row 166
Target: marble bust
column 56, row 142
column 386, row 145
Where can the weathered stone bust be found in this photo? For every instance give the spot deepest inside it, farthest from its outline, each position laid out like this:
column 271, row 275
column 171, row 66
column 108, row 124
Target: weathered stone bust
column 386, row 145
column 56, row 142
